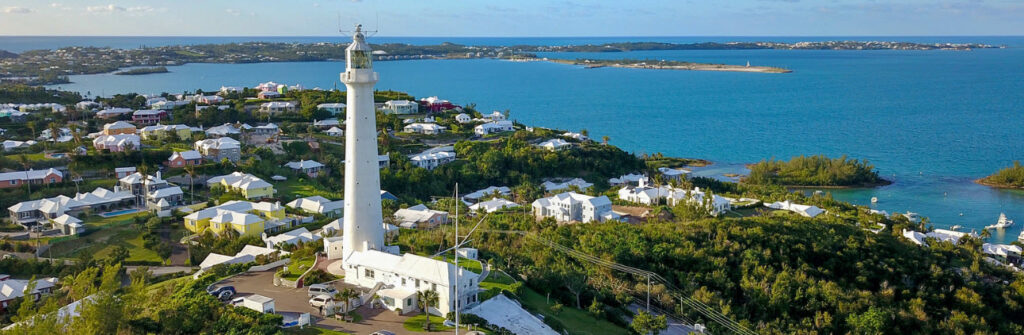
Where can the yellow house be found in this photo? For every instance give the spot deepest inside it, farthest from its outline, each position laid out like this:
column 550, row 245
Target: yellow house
column 159, row 131
column 244, row 217
column 251, row 187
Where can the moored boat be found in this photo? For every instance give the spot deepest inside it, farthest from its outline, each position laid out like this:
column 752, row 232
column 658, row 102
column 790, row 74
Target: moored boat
column 1003, row 222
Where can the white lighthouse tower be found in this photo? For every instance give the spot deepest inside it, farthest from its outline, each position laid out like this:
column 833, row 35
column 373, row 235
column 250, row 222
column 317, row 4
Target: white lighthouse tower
column 364, row 225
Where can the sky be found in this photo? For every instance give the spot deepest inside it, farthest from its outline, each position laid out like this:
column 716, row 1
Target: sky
column 478, row 18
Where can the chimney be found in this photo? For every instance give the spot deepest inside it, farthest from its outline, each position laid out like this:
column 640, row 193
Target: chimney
column 158, row 175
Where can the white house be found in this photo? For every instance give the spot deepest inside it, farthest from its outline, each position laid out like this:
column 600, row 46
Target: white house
column 335, row 132
column 117, row 143
column 246, row 255
column 948, row 235
column 577, row 136
column 493, row 127
column 804, row 210
column 400, row 277
column 718, row 205
column 552, row 187
column 495, row 116
column 226, row 129
column 463, row 118
column 420, row 216
column 290, row 238
column 11, row 289
column 319, row 205
column 554, row 144
column 308, row 167
column 644, row 194
column 571, row 206
column 674, row 174
column 424, row 128
column 275, row 107
column 401, row 107
column 334, row 108
column 326, row 123
column 489, row 191
column 628, row 179
column 433, row 158
column 493, row 205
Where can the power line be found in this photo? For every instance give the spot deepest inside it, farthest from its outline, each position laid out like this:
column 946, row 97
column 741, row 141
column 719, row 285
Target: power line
column 703, row 309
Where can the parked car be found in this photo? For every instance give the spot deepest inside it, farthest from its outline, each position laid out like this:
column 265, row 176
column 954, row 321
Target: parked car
column 221, row 292
column 318, row 289
column 322, row 300
column 383, row 332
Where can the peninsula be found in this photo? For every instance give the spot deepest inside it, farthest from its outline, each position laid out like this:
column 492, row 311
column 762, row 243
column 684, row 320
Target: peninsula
column 143, row 70
column 668, row 65
column 1010, row 177
column 815, row 171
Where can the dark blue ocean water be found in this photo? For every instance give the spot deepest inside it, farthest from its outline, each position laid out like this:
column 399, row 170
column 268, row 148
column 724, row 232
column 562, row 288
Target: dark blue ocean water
column 932, row 121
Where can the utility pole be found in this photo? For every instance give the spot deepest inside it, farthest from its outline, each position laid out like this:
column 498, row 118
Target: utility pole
column 457, row 268
column 648, row 292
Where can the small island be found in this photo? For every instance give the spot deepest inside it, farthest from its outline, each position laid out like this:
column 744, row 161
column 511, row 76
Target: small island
column 668, row 65
column 815, row 171
column 142, row 70
column 1010, row 177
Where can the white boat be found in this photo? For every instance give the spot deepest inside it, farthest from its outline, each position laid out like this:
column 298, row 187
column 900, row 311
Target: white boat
column 1003, row 222
column 956, row 227
column 913, row 217
column 874, row 200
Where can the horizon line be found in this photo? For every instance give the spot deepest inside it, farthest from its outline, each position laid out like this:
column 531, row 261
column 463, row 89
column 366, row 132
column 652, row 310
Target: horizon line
column 486, row 36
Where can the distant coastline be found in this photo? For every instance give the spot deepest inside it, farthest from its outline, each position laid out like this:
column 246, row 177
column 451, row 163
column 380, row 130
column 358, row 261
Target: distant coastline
column 142, row 71
column 669, row 65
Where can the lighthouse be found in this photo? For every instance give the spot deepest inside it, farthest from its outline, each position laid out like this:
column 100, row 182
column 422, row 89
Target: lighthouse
column 363, row 226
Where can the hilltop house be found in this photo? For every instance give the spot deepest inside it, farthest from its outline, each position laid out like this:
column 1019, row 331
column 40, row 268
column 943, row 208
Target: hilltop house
column 424, row 128
column 41, row 177
column 276, row 107
column 673, row 174
column 113, row 113
column 335, row 132
column 434, row 104
column 400, row 107
column 493, row 127
column 433, row 158
column 310, row 168
column 244, row 217
column 301, row 235
column 223, row 130
column 495, row 116
column 267, row 129
column 319, row 205
column 571, row 206
column 117, row 143
column 420, row 216
column 250, row 186
column 246, row 255
column 463, row 118
column 218, row 149
column 118, row 128
column 68, row 225
column 554, row 144
column 268, row 95
column 632, row 179
column 803, row 210
column 184, row 158
column 153, row 191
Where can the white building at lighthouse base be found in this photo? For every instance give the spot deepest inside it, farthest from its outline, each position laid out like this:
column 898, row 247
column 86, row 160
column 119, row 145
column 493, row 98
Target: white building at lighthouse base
column 396, row 279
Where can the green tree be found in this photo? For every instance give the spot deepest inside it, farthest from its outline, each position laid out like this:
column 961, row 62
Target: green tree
column 118, row 255
column 427, row 298
column 645, row 323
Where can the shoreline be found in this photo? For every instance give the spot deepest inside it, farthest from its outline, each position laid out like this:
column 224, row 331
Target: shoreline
column 983, row 182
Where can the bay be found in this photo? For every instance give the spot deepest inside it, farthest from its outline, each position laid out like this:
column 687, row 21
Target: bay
column 931, row 121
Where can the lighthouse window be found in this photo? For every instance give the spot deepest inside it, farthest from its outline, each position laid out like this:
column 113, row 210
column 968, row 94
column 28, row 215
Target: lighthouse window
column 359, row 59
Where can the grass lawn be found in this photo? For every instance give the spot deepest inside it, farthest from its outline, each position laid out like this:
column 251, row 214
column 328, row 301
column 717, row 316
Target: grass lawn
column 310, row 330
column 576, row 321
column 416, row 323
column 107, row 234
column 297, row 268
column 293, row 186
column 497, row 279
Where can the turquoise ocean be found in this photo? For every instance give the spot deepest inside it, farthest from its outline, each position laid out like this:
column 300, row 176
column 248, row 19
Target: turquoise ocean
column 931, row 121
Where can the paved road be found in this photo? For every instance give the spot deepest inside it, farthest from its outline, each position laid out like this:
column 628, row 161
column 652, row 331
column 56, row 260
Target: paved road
column 297, row 301
column 161, row 270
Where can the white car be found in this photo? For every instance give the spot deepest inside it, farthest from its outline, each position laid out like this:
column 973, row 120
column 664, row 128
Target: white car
column 322, row 300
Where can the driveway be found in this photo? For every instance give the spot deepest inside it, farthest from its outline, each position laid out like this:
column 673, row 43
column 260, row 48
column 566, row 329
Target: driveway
column 289, row 300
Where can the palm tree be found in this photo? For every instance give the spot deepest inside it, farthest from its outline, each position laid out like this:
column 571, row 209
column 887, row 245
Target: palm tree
column 31, row 126
column 74, row 134
column 191, row 170
column 426, row 299
column 23, row 159
column 54, row 132
column 345, row 296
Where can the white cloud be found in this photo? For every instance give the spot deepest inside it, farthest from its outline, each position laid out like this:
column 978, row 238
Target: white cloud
column 233, row 11
column 105, row 9
column 140, row 9
column 17, row 10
